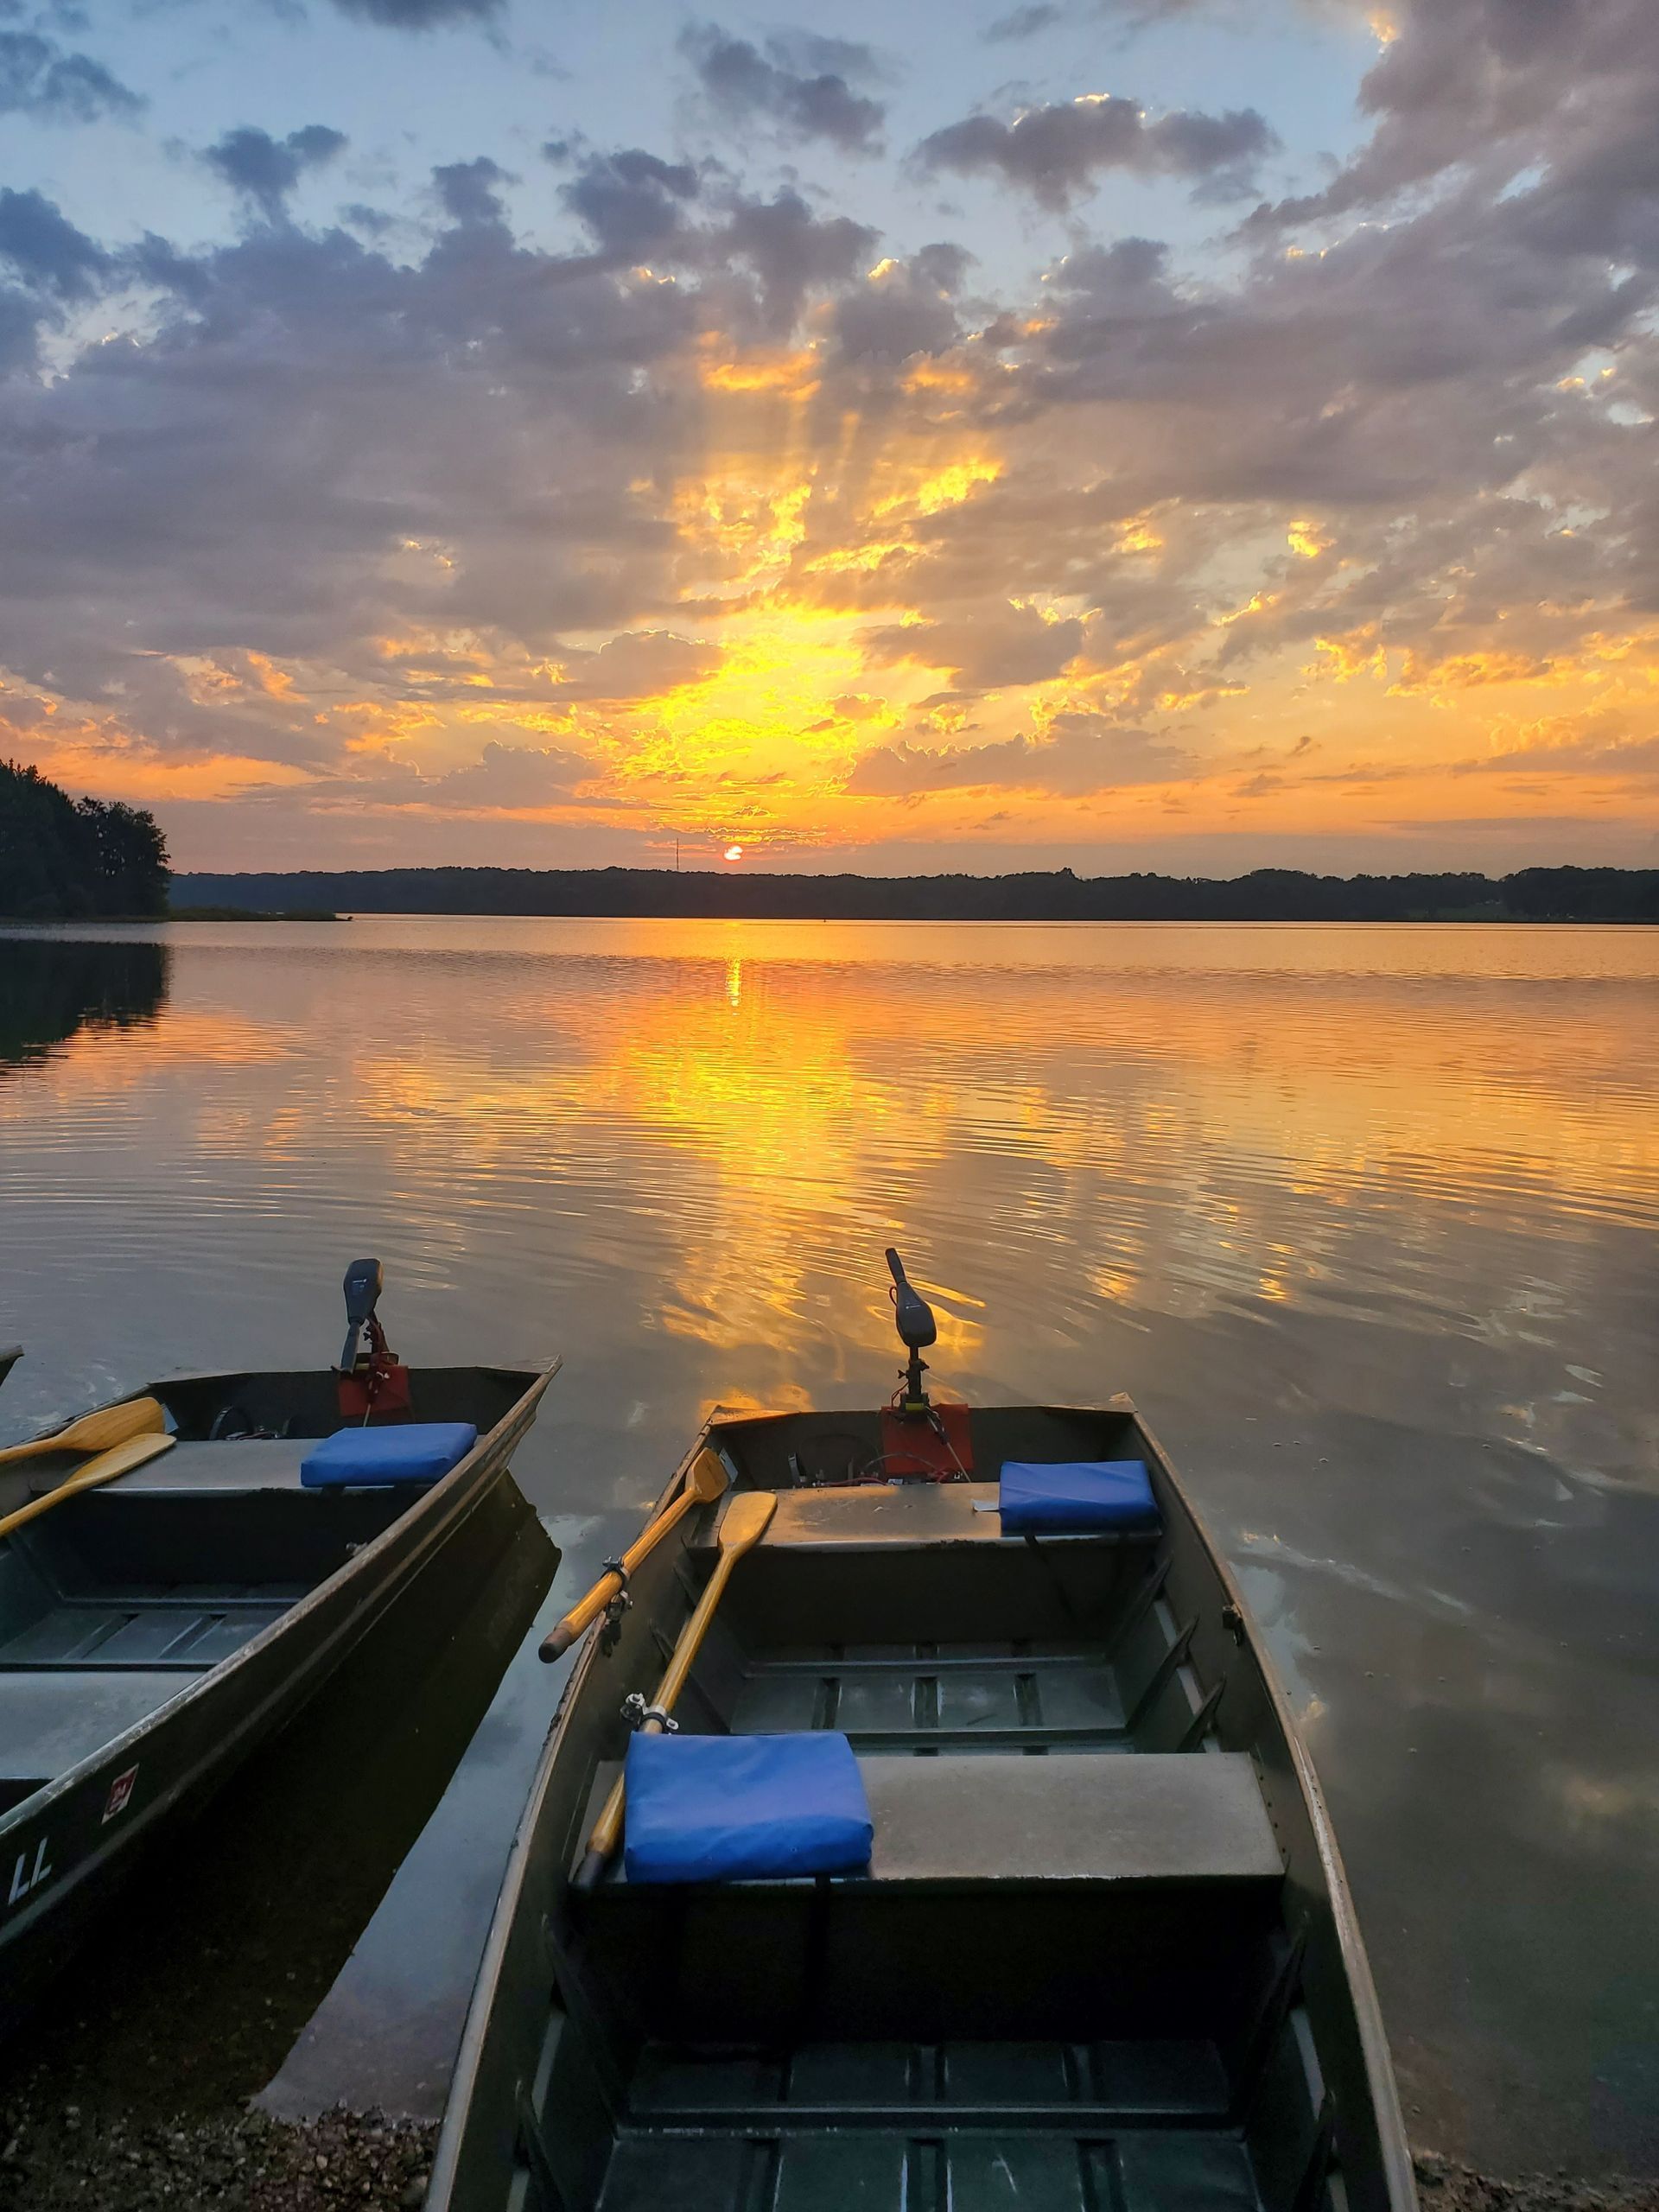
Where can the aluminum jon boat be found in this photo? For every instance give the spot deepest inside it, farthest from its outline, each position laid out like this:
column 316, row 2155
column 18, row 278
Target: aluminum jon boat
column 157, row 1623
column 969, row 1854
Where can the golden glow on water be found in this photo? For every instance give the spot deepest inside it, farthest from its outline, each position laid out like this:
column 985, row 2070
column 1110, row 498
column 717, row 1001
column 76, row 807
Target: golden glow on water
column 1171, row 1124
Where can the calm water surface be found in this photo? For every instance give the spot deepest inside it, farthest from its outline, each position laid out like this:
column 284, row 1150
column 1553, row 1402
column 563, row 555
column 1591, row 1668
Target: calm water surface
column 1366, row 1218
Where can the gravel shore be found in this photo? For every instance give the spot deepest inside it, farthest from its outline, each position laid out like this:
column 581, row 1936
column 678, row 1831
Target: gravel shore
column 56, row 2156
column 1443, row 2185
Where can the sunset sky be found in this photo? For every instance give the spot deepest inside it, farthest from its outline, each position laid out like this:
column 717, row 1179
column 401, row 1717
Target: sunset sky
column 1158, row 435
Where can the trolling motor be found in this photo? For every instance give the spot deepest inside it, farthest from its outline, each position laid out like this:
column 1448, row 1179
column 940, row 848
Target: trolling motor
column 920, row 1440
column 913, row 1318
column 372, row 1378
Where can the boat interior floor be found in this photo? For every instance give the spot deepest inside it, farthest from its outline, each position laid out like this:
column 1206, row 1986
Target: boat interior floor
column 1063, row 1979
column 111, row 1605
column 941, row 2162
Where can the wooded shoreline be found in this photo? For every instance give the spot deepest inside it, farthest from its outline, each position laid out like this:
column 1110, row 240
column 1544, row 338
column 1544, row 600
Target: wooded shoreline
column 1266, row 895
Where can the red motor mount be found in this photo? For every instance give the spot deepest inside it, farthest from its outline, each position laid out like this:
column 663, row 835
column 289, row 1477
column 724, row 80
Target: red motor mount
column 936, row 1447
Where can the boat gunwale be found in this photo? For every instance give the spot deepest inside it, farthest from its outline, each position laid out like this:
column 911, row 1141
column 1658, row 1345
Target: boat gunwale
column 1392, row 2146
column 488, row 1457
column 1368, row 2010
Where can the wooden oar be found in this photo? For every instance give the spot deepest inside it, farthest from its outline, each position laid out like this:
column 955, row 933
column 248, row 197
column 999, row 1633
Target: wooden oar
column 121, row 1461
column 742, row 1528
column 99, row 1432
column 707, row 1479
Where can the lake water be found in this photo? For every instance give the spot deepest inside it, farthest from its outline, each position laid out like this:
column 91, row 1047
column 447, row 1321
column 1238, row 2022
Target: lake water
column 1364, row 1218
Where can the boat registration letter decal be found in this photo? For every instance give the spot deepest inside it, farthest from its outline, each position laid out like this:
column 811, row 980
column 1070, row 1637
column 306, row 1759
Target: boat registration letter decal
column 25, row 1877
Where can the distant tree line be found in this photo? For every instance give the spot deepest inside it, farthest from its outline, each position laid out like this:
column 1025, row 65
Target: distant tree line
column 1266, row 895
column 61, row 858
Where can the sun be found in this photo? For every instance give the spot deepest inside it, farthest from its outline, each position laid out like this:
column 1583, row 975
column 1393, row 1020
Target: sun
column 733, row 852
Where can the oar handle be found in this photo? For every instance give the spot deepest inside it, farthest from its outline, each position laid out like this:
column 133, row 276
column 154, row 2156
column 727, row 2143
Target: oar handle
column 607, row 1831
column 705, row 1482
column 582, row 1615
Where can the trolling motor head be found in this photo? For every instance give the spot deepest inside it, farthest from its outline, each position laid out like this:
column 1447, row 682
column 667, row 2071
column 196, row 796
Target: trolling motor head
column 364, row 1279
column 372, row 1378
column 913, row 1318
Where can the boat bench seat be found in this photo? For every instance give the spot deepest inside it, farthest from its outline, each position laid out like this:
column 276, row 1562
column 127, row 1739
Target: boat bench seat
column 1065, row 1897
column 972, row 1817
column 978, row 1816
column 870, row 1516
column 234, row 1466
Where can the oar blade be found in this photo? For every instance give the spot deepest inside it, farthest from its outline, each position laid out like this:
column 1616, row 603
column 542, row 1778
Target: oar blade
column 709, row 1478
column 120, row 1459
column 97, row 1432
column 746, row 1519
column 113, row 1425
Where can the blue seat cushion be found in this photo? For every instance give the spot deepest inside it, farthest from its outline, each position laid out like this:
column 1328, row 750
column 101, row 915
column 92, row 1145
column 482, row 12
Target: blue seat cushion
column 412, row 1452
column 733, row 1809
column 1075, row 1496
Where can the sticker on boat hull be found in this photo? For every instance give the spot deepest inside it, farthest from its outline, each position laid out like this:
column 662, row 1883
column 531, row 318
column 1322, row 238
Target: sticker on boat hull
column 120, row 1793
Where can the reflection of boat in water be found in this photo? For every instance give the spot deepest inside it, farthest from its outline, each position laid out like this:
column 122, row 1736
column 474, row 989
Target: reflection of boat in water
column 971, row 1856
column 9, row 1356
column 154, row 1629
column 50, row 987
column 244, row 1925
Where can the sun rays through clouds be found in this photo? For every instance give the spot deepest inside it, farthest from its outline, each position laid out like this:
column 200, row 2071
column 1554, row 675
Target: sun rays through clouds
column 876, row 458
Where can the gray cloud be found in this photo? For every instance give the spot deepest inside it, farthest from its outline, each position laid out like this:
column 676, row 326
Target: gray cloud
column 39, row 77
column 743, row 84
column 907, row 309
column 319, row 446
column 1494, row 82
column 20, row 322
column 466, row 191
column 507, row 776
column 263, row 169
column 794, row 252
column 1023, row 22
column 813, row 54
column 990, row 648
column 631, row 202
column 420, row 14
column 1056, row 152
column 1079, row 755
column 636, row 664
column 46, row 249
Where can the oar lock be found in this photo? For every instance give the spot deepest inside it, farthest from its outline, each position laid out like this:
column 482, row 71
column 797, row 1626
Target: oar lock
column 615, row 1606
column 636, row 1713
